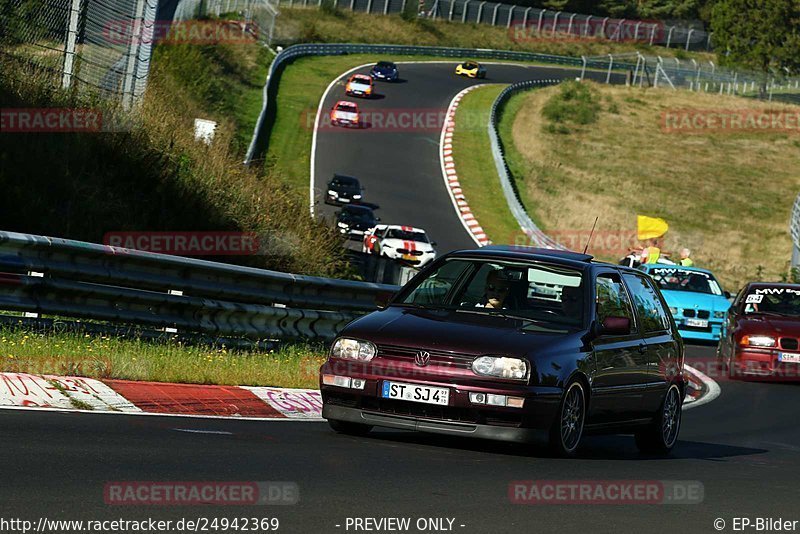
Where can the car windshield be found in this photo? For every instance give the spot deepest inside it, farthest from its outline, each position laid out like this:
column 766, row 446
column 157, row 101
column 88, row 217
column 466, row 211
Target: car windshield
column 344, row 181
column 346, row 107
column 385, row 65
column 539, row 293
column 773, row 301
column 361, row 79
column 470, row 65
column 406, row 235
column 363, row 214
column 675, row 279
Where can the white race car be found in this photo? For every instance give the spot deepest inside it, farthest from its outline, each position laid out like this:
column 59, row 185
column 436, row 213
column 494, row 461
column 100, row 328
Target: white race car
column 403, row 243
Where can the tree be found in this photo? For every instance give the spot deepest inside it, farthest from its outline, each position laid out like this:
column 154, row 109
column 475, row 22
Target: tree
column 757, row 34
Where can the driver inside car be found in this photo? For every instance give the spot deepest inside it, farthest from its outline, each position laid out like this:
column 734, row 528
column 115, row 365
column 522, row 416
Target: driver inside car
column 571, row 305
column 495, row 291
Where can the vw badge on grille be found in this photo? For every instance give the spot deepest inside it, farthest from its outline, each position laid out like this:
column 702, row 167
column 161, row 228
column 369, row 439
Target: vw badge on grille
column 422, row 358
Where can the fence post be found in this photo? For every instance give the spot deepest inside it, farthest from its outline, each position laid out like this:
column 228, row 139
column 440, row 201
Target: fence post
column 539, row 25
column 603, row 28
column 510, row 16
column 385, row 6
column 369, row 6
column 669, row 35
column 452, row 6
column 569, row 26
column 636, row 31
column 586, row 26
column 525, row 18
column 619, row 29
column 133, row 53
column 583, row 67
column 464, row 14
column 72, row 38
column 610, row 64
column 494, row 14
column 689, row 38
column 653, row 34
column 555, row 22
column 708, row 41
column 480, row 11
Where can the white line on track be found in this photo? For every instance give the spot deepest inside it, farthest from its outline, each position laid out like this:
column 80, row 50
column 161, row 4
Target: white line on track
column 713, row 388
column 196, row 431
column 149, row 414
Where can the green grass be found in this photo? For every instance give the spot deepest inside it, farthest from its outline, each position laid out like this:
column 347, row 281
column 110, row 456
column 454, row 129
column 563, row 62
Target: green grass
column 169, row 361
column 477, row 173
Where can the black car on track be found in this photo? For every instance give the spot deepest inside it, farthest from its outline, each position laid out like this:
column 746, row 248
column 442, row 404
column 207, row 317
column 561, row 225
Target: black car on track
column 385, row 70
column 354, row 220
column 343, row 190
column 514, row 344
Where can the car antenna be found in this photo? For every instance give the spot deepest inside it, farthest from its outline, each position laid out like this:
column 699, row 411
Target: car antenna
column 590, row 235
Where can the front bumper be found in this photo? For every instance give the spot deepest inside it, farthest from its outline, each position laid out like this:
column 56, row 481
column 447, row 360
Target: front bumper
column 450, row 428
column 710, row 333
column 765, row 362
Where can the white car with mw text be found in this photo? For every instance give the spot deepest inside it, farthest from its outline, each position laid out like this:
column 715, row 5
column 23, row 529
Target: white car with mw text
column 402, row 243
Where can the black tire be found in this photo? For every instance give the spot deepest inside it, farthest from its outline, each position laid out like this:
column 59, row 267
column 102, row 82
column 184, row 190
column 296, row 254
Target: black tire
column 567, row 429
column 661, row 435
column 346, row 427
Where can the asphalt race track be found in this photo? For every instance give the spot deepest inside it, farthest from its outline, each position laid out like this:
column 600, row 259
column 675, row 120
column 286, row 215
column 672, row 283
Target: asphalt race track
column 400, row 167
column 744, row 447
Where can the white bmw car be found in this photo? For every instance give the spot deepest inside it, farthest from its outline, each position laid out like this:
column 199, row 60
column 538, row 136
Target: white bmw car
column 403, row 243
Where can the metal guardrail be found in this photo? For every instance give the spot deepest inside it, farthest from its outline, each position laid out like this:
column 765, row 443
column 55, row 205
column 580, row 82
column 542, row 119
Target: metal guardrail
column 66, row 278
column 535, row 236
column 258, row 144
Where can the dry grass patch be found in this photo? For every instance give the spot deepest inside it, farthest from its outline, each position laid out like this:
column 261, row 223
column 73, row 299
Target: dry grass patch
column 726, row 195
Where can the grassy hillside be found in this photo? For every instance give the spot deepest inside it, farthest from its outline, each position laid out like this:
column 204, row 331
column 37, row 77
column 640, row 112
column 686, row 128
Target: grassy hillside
column 149, row 174
column 603, row 151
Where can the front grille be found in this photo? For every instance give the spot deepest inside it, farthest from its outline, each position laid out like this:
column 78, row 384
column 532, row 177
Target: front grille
column 416, row 409
column 412, row 252
column 789, row 343
column 688, row 313
column 703, row 314
column 438, row 357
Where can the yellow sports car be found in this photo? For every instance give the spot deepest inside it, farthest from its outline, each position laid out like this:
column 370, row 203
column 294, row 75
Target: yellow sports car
column 471, row 69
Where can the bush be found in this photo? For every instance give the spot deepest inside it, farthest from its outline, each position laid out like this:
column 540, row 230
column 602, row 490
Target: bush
column 575, row 104
column 410, row 12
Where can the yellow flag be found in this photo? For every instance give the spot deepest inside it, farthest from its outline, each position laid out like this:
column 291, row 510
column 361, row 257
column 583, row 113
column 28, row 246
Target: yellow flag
column 650, row 227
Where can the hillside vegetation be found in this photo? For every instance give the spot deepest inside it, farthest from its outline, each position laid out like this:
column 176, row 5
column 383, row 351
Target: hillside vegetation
column 149, row 174
column 581, row 151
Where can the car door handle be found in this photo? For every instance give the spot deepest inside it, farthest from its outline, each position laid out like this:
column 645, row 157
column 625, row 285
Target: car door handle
column 642, row 348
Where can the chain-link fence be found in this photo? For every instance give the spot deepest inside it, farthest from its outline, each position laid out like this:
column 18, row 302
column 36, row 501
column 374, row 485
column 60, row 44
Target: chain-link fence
column 699, row 76
column 533, row 23
column 100, row 46
column 261, row 15
column 794, row 227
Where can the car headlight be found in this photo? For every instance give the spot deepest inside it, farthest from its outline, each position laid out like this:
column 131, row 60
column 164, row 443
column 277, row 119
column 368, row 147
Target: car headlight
column 673, row 311
column 501, row 367
column 333, row 193
column 719, row 315
column 342, row 224
column 356, row 196
column 758, row 341
column 353, row 349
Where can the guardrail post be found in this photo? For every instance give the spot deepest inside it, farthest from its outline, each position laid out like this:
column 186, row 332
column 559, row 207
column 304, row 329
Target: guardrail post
column 539, row 25
column 464, row 14
column 689, row 38
column 480, row 11
column 510, row 16
column 494, row 14
column 610, row 64
column 555, row 22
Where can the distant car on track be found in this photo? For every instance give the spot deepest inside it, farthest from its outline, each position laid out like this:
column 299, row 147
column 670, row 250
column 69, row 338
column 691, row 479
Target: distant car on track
column 385, row 70
column 343, row 190
column 471, row 347
column 359, row 85
column 761, row 333
column 695, row 298
column 354, row 220
column 403, row 243
column 471, row 69
column 345, row 113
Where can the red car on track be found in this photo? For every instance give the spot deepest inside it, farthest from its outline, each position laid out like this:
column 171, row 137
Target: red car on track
column 345, row 113
column 761, row 334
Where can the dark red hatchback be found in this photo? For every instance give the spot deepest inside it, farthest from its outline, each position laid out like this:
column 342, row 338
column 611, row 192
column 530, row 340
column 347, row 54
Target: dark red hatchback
column 513, row 343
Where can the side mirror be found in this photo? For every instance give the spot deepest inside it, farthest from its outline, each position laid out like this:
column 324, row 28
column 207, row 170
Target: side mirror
column 377, row 219
column 615, row 326
column 727, row 294
column 382, row 299
column 433, row 243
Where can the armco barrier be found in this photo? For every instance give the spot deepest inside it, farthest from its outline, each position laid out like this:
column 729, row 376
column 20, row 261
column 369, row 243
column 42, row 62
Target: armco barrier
column 65, row 278
column 258, row 144
column 535, row 236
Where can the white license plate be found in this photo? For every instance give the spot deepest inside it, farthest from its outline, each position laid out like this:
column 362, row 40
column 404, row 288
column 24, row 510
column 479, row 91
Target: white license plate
column 415, row 393
column 697, row 323
column 789, row 358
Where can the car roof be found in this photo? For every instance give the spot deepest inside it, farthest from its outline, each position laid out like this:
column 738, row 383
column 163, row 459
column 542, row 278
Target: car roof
column 346, row 103
column 357, row 207
column 404, row 228
column 518, row 252
column 360, row 77
column 772, row 284
column 344, row 178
